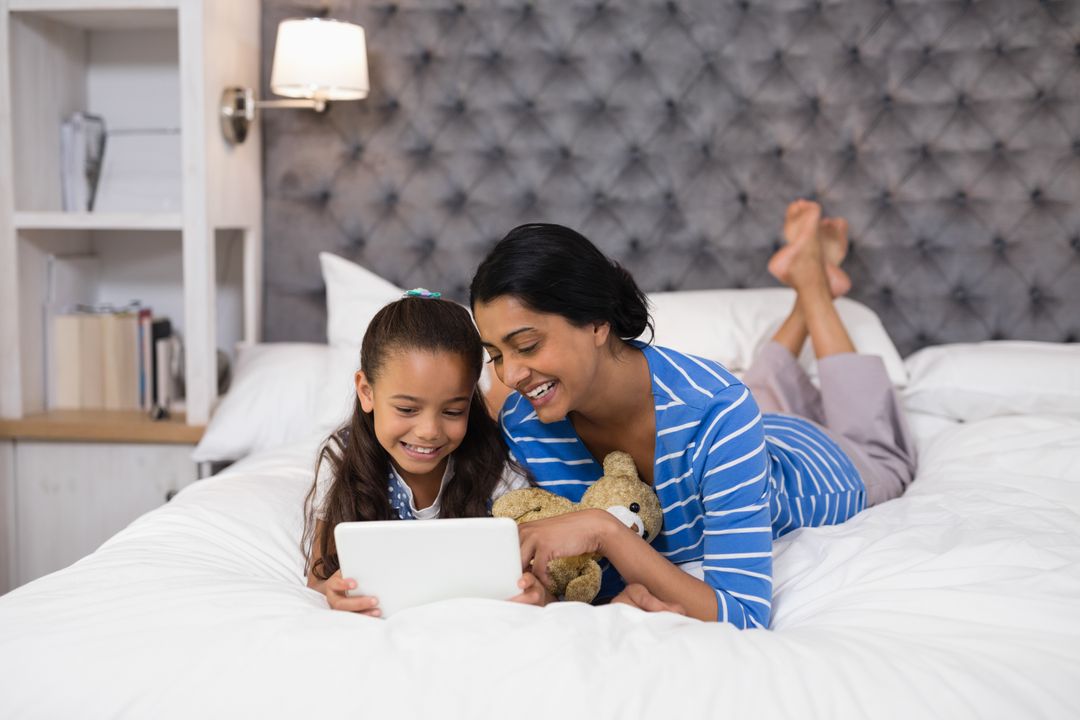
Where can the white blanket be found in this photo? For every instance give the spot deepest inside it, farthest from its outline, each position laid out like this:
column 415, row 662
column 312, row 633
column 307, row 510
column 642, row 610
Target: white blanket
column 961, row 599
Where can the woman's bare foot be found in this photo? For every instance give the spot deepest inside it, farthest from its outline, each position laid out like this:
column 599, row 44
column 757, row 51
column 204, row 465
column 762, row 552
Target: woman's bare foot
column 834, row 239
column 814, row 246
column 801, row 218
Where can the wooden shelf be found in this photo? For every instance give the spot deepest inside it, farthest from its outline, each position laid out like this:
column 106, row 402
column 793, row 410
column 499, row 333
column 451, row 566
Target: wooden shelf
column 118, row 426
column 60, row 220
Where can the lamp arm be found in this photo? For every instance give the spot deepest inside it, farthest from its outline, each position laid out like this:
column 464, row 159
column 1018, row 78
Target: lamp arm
column 316, row 104
column 238, row 106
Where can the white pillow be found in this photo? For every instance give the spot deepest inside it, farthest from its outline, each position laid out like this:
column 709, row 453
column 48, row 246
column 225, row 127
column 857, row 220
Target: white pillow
column 731, row 326
column 353, row 296
column 281, row 393
column 989, row 379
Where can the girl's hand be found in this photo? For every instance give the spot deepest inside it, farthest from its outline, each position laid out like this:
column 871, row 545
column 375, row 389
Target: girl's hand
column 532, row 592
column 335, row 590
column 574, row 533
column 637, row 595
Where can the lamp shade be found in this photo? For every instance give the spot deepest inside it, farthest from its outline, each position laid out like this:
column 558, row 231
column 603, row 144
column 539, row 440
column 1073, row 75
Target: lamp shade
column 318, row 58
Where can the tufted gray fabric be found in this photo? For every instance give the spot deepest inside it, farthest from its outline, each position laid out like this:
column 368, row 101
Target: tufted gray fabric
column 673, row 133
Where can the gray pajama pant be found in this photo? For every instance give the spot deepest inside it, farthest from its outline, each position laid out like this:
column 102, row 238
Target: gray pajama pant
column 856, row 406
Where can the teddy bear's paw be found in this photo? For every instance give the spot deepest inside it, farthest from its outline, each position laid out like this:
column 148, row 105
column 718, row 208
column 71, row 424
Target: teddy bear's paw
column 531, row 503
column 585, row 587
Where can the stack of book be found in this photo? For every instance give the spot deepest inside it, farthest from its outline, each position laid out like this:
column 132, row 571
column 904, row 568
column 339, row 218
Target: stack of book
column 109, row 358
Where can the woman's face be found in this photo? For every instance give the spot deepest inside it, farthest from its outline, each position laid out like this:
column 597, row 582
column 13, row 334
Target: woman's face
column 550, row 361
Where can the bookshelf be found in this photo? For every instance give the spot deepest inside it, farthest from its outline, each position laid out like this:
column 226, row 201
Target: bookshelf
column 177, row 225
column 172, row 191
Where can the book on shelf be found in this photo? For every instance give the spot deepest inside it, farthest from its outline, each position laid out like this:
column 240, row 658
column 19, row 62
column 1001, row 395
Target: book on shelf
column 69, row 281
column 110, row 358
column 161, row 339
column 120, row 360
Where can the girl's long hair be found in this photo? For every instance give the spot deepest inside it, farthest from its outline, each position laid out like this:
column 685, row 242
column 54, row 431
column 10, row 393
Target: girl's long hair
column 359, row 464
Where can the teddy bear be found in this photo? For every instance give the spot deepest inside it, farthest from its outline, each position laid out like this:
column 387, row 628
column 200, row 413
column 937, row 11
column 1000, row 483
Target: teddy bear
column 620, row 491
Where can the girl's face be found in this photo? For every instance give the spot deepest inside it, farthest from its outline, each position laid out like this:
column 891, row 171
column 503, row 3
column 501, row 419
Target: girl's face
column 421, row 409
column 550, row 361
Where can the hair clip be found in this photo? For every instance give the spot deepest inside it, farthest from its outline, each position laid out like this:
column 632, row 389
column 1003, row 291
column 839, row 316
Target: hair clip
column 423, row 293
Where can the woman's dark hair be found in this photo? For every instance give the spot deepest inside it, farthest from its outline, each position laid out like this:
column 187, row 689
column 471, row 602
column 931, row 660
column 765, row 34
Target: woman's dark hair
column 553, row 269
column 359, row 464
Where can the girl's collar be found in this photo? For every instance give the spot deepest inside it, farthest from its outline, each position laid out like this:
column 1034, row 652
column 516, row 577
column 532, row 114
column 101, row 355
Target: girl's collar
column 409, row 501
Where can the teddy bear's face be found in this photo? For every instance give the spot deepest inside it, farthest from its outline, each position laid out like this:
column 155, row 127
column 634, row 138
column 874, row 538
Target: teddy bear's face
column 631, row 501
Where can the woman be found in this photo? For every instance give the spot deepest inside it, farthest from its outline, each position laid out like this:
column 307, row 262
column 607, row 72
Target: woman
column 559, row 321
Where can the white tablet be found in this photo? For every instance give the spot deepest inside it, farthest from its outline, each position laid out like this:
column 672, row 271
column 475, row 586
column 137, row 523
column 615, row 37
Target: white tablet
column 405, row 563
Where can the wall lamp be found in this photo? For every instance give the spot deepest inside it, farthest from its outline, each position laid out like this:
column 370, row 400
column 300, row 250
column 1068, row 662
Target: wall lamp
column 316, row 60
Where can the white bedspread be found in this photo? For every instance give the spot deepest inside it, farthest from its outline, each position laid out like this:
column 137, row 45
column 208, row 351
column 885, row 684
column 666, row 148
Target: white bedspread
column 962, row 599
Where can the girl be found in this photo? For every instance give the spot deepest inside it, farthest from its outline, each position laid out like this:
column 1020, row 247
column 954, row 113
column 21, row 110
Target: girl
column 420, row 443
column 558, row 320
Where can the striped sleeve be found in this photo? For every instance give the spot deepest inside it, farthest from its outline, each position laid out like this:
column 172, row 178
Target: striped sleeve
column 733, row 467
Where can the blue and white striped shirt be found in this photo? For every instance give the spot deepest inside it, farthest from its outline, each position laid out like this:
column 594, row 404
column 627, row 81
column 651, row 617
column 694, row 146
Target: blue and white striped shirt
column 729, row 478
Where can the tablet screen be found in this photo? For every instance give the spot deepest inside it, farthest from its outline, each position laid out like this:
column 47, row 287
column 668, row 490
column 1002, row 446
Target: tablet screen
column 405, row 563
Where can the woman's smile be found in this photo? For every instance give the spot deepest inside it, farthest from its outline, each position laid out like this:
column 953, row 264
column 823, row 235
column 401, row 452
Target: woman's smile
column 541, row 394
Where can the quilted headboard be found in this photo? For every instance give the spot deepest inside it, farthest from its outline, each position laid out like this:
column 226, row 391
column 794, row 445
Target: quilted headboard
column 674, row 132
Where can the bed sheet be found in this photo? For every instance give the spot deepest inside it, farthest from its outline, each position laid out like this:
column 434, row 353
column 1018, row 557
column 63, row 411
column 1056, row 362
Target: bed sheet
column 958, row 600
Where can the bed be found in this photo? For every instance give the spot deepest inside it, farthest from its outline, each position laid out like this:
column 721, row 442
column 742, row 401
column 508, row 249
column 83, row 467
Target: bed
column 960, row 599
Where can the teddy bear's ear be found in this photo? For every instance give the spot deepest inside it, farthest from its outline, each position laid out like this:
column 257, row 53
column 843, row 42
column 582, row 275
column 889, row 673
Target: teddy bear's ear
column 620, row 463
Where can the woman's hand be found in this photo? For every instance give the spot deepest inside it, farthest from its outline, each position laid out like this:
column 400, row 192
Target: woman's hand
column 335, row 590
column 574, row 533
column 533, row 591
column 637, row 595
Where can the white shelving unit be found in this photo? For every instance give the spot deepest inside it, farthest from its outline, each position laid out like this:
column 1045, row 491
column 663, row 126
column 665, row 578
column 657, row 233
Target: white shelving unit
column 154, row 69
column 178, row 226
